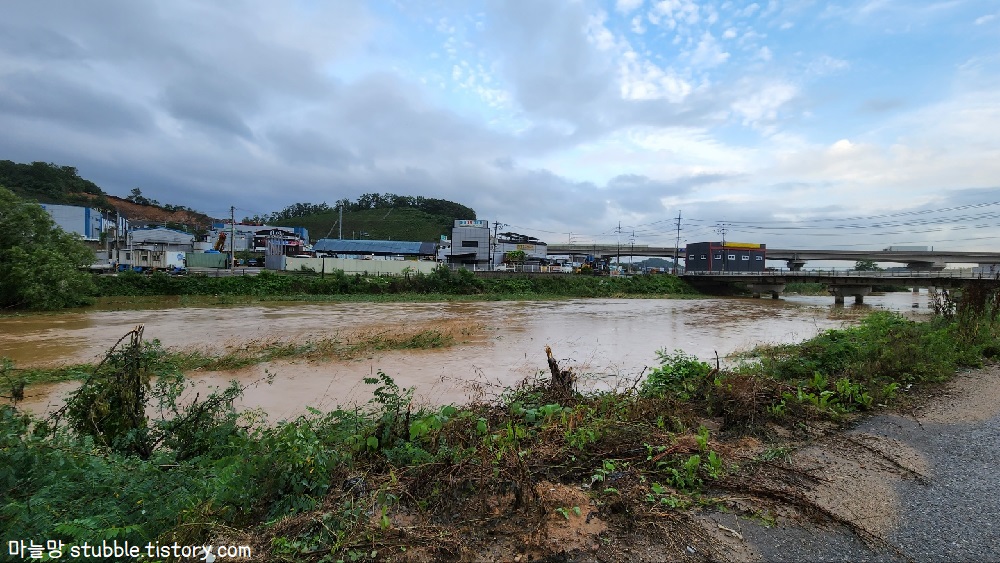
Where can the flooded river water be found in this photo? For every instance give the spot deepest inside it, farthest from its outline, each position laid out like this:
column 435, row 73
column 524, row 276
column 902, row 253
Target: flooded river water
column 608, row 341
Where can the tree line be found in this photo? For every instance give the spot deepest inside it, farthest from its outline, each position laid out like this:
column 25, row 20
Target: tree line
column 429, row 205
column 51, row 183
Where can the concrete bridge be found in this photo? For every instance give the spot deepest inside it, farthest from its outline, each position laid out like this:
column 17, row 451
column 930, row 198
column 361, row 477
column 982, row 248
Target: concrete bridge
column 914, row 259
column 845, row 283
column 796, row 259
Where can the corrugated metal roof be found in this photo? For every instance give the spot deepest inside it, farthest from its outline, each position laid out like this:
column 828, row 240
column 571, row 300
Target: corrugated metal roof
column 381, row 247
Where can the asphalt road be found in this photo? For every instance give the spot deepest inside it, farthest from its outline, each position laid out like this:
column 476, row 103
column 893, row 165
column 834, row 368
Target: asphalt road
column 949, row 513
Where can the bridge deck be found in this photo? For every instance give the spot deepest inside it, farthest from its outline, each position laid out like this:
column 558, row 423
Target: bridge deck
column 851, row 277
column 895, row 256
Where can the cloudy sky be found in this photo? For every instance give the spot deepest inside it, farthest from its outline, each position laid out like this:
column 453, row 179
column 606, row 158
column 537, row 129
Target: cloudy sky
column 798, row 123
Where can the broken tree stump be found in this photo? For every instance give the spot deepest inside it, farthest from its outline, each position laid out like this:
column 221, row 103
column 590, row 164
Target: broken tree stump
column 562, row 380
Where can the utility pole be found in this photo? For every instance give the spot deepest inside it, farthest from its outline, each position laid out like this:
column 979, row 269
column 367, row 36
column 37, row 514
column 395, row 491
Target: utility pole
column 631, row 252
column 493, row 243
column 678, row 243
column 619, row 231
column 232, row 238
column 722, row 229
column 341, row 220
column 118, row 222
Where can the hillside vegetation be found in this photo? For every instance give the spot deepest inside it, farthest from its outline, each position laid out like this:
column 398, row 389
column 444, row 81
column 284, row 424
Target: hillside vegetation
column 50, row 183
column 174, row 217
column 373, row 216
column 62, row 185
column 375, row 224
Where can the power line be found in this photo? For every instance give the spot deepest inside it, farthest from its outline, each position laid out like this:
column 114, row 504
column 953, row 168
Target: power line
column 861, row 218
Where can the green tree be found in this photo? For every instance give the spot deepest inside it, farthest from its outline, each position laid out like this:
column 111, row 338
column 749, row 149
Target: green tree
column 137, row 198
column 41, row 266
column 866, row 266
column 515, row 257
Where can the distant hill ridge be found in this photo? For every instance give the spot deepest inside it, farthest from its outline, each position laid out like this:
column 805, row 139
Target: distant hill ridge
column 374, row 224
column 371, row 216
column 62, row 185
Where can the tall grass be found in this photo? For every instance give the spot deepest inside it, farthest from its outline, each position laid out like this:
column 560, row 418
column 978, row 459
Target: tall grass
column 440, row 282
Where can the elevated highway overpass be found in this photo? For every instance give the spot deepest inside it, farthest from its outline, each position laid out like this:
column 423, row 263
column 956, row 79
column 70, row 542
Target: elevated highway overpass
column 796, row 259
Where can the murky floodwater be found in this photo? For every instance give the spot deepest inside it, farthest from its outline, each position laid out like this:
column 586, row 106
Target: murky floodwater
column 610, row 341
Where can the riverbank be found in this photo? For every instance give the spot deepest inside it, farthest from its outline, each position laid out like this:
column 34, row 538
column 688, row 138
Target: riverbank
column 543, row 471
column 442, row 283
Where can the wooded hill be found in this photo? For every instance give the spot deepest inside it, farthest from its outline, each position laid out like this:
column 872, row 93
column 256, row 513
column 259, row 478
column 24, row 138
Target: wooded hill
column 371, row 216
column 375, row 217
column 50, row 183
column 375, row 224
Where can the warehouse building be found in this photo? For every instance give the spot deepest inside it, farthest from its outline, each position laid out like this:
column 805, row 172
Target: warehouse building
column 375, row 249
column 87, row 222
column 725, row 257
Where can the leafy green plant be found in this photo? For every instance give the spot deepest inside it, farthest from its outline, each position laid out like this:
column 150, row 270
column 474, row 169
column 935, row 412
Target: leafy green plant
column 702, row 438
column 714, row 462
column 660, row 495
column 679, row 375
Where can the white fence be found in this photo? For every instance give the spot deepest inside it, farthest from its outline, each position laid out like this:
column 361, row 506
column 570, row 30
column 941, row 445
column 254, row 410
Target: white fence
column 353, row 266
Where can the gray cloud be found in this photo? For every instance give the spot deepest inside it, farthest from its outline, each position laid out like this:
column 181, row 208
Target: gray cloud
column 37, row 95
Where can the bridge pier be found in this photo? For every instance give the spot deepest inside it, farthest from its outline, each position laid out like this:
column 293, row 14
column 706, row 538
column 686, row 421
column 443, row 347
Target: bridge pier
column 795, row 265
column 839, row 292
column 774, row 289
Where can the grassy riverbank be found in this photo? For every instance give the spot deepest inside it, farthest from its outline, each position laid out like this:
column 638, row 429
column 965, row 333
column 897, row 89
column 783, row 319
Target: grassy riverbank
column 442, row 283
column 387, row 480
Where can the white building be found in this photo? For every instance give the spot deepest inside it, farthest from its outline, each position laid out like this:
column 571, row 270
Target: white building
column 87, row 222
column 157, row 247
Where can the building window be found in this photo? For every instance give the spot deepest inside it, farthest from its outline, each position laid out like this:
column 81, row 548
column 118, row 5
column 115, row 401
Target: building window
column 759, row 257
column 718, row 257
column 703, row 257
column 470, row 244
column 745, row 257
column 732, row 257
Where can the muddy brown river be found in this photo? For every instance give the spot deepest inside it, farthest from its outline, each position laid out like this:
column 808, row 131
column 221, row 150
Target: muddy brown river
column 608, row 342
